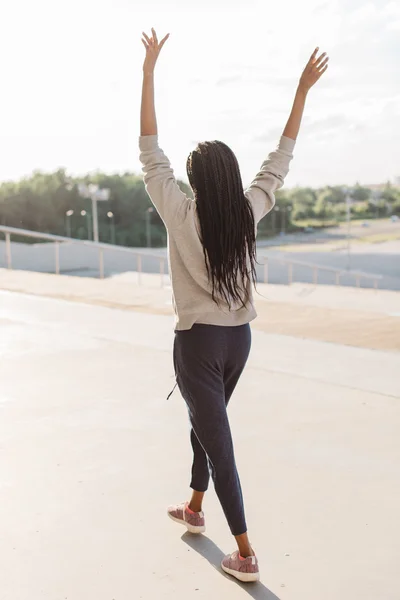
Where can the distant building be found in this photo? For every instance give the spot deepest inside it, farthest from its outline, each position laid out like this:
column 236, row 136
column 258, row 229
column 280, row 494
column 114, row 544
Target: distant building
column 381, row 186
column 375, row 186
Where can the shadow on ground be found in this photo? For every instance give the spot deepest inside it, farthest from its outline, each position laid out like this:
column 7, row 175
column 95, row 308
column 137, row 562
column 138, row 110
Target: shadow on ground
column 210, row 551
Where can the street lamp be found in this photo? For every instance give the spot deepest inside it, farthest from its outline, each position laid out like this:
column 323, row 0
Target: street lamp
column 348, row 217
column 110, row 215
column 276, row 210
column 96, row 194
column 283, row 220
column 148, row 231
column 68, row 215
column 84, row 213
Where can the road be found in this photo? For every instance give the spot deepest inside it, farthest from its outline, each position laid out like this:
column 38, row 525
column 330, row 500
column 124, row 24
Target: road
column 357, row 230
column 372, row 259
column 92, row 453
column 316, row 248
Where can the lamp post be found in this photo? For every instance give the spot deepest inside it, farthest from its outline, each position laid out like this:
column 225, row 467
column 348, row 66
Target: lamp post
column 68, row 216
column 348, row 217
column 84, row 213
column 110, row 215
column 276, row 210
column 285, row 210
column 148, row 231
column 290, row 208
column 96, row 194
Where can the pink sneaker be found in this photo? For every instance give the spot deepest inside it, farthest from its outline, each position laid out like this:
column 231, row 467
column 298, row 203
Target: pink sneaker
column 181, row 513
column 244, row 569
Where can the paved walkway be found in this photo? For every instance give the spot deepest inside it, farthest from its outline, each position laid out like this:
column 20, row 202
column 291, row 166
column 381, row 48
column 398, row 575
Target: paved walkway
column 91, row 453
column 363, row 318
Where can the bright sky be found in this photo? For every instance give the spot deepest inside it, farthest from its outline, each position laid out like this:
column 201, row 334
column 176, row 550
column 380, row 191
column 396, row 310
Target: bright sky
column 71, row 83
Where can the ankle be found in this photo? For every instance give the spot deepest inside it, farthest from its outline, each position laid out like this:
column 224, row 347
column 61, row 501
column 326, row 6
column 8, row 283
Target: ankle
column 244, row 545
column 196, row 501
column 245, row 553
column 194, row 507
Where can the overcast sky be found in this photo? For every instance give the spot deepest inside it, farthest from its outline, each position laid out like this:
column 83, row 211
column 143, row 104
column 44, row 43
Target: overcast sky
column 71, row 83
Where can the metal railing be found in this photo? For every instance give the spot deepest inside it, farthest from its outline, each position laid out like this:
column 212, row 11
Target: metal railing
column 57, row 239
column 290, row 264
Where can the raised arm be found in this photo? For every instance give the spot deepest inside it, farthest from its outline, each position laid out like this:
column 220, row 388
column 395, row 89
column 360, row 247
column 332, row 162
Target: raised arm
column 275, row 168
column 160, row 183
column 148, row 121
column 312, row 72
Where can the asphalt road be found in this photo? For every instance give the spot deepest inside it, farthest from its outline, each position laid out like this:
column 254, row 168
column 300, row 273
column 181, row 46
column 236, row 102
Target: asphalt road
column 356, row 230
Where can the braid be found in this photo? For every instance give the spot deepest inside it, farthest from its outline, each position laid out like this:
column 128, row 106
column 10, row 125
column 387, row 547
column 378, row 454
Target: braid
column 226, row 221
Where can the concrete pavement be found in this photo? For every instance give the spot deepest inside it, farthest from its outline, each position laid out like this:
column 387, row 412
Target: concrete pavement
column 91, row 453
column 356, row 317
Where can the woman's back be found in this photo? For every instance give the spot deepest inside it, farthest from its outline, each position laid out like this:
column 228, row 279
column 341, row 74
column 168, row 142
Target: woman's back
column 186, row 223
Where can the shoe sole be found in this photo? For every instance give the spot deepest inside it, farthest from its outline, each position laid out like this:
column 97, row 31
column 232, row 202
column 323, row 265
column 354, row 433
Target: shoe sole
column 244, row 577
column 189, row 527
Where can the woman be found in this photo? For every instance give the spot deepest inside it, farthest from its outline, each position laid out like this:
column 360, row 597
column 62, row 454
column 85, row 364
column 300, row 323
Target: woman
column 211, row 244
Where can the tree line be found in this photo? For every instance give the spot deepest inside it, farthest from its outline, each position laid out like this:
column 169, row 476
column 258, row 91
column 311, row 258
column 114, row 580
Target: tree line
column 51, row 203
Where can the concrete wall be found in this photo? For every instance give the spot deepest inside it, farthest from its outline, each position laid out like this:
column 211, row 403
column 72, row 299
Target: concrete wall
column 78, row 260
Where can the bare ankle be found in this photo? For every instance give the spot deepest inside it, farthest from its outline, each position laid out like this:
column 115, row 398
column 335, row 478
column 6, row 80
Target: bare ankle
column 195, row 507
column 196, row 501
column 244, row 545
column 246, row 553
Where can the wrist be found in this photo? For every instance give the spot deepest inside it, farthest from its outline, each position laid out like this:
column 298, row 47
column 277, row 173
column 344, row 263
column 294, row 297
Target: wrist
column 302, row 90
column 148, row 74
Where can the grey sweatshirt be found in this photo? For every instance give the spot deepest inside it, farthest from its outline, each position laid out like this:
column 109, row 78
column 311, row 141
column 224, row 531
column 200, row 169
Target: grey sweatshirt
column 191, row 290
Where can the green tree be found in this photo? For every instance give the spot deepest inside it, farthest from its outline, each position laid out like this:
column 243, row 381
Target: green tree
column 360, row 193
column 390, row 194
column 40, row 203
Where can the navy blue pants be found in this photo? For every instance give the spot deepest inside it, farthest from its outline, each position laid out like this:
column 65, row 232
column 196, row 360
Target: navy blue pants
column 208, row 361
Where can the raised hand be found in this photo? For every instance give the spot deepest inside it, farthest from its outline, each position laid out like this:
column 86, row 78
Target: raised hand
column 153, row 49
column 313, row 70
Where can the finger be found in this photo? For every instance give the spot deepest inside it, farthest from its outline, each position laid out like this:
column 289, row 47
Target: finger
column 323, row 63
column 313, row 55
column 319, row 60
column 164, row 40
column 147, row 38
column 323, row 71
column 144, row 44
column 154, row 35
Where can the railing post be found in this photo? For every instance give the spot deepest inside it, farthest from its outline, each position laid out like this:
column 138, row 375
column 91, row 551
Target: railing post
column 337, row 278
column 101, row 263
column 375, row 284
column 266, row 271
column 315, row 275
column 8, row 250
column 358, row 281
column 139, row 268
column 162, row 261
column 290, row 273
column 57, row 252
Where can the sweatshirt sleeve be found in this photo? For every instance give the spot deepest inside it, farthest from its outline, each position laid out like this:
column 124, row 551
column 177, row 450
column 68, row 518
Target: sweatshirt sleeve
column 270, row 178
column 160, row 183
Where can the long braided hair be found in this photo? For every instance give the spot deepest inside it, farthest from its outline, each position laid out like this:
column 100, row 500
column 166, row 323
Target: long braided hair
column 226, row 221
